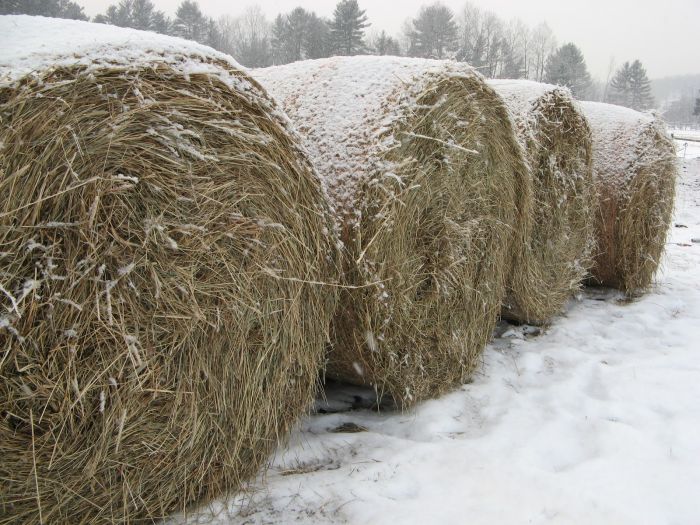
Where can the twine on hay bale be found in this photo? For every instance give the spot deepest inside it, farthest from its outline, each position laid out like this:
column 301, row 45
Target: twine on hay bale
column 553, row 261
column 634, row 167
column 426, row 177
column 160, row 234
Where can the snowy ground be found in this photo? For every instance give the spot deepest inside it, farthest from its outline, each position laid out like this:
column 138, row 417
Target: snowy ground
column 595, row 421
column 687, row 149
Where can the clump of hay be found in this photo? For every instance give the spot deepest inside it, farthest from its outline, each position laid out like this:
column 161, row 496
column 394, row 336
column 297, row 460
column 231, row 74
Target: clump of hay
column 634, row 167
column 429, row 184
column 160, row 234
column 553, row 261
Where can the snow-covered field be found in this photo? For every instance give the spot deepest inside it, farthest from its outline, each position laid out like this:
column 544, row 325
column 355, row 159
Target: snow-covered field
column 687, row 149
column 597, row 420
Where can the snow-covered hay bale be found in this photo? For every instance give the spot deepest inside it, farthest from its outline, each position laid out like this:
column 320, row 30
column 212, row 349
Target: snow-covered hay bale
column 422, row 167
column 159, row 231
column 634, row 167
column 552, row 262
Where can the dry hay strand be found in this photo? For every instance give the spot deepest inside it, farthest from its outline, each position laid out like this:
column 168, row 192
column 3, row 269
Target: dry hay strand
column 429, row 185
column 634, row 166
column 553, row 261
column 160, row 234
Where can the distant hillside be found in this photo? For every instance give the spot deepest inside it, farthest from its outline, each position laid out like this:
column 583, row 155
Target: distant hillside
column 668, row 89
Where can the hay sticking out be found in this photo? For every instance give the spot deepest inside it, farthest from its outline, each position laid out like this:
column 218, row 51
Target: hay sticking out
column 554, row 259
column 158, row 337
column 635, row 167
column 421, row 164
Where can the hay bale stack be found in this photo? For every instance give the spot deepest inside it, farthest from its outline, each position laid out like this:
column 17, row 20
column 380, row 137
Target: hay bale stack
column 634, row 167
column 429, row 185
column 553, row 261
column 159, row 227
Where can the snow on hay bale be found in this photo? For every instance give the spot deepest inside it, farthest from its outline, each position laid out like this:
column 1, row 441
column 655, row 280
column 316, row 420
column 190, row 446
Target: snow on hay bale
column 158, row 228
column 634, row 167
column 421, row 165
column 554, row 259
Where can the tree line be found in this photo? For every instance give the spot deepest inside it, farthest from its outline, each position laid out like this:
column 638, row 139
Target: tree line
column 495, row 47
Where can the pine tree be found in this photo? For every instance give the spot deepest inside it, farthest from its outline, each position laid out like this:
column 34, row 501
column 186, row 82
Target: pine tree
column 640, row 88
column 317, row 40
column 299, row 35
column 567, row 67
column 51, row 8
column 696, row 112
column 386, row 45
column 620, row 86
column 190, row 23
column 296, row 27
column 139, row 14
column 279, row 40
column 436, row 31
column 347, row 28
column 630, row 87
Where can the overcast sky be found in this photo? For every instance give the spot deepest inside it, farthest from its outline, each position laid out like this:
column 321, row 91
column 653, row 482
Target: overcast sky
column 663, row 34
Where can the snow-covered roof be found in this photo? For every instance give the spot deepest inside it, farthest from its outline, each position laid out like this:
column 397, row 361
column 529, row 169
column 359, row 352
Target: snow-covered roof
column 342, row 107
column 32, row 44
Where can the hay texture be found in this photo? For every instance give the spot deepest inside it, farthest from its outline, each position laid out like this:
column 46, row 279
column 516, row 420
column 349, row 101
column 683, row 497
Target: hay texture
column 552, row 262
column 427, row 180
column 634, row 166
column 159, row 229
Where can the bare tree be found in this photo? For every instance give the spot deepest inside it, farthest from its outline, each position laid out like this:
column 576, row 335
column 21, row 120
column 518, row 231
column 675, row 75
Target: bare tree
column 515, row 41
column 542, row 45
column 247, row 37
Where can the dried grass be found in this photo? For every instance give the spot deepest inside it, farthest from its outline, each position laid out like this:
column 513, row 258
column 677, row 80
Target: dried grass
column 436, row 246
column 432, row 219
column 635, row 171
column 552, row 262
column 158, row 332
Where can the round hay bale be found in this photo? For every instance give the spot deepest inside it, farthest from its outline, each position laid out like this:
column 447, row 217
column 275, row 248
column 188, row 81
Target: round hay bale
column 634, row 168
column 429, row 185
column 159, row 231
column 550, row 266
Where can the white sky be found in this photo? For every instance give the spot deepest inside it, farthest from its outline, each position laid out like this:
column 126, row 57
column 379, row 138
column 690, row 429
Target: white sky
column 663, row 34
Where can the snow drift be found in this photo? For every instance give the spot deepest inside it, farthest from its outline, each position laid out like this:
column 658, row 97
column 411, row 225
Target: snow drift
column 160, row 237
column 429, row 185
column 555, row 256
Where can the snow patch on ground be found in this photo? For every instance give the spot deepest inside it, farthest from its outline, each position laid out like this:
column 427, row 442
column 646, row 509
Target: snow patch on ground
column 595, row 421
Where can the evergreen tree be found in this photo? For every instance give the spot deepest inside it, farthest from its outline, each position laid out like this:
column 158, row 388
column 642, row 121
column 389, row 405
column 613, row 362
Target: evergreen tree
column 640, row 88
column 279, row 41
column 630, row 87
column 51, row 8
column 697, row 106
column 386, row 45
column 436, row 31
column 299, row 35
column 317, row 39
column 619, row 92
column 190, row 23
column 566, row 67
column 139, row 14
column 347, row 28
